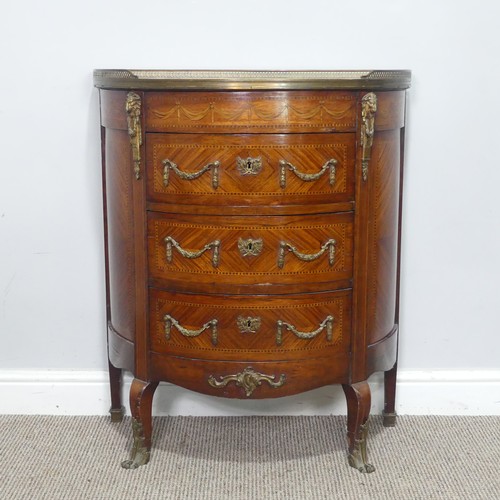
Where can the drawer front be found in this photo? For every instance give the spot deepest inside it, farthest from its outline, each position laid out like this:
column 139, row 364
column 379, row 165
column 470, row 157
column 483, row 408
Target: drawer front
column 250, row 250
column 250, row 379
column 250, row 169
column 256, row 111
column 258, row 327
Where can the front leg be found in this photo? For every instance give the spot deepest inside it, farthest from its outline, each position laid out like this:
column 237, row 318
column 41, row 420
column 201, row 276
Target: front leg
column 358, row 398
column 141, row 400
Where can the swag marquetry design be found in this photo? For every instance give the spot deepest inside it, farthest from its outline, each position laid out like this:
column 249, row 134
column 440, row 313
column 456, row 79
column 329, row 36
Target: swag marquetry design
column 260, row 110
column 252, row 226
column 222, row 113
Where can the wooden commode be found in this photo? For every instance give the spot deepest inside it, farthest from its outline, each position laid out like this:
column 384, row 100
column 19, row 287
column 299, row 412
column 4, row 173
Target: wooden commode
column 252, row 230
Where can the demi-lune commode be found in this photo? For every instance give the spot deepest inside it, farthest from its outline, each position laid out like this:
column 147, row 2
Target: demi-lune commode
column 252, row 236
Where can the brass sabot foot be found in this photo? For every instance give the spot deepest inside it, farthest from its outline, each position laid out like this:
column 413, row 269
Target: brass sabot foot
column 357, row 462
column 140, row 453
column 358, row 457
column 140, row 458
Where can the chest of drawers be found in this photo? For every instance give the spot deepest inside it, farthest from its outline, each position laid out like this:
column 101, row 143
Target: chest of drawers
column 252, row 224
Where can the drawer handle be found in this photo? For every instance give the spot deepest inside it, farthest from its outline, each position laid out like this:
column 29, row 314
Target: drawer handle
column 170, row 321
column 326, row 323
column 307, row 257
column 368, row 110
column 249, row 379
column 170, row 243
column 249, row 166
column 330, row 166
column 170, row 165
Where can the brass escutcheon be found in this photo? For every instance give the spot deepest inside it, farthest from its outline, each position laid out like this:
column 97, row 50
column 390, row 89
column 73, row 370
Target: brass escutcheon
column 249, row 166
column 250, row 247
column 248, row 324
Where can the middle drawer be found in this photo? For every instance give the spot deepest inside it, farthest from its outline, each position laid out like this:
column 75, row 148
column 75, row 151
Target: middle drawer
column 189, row 251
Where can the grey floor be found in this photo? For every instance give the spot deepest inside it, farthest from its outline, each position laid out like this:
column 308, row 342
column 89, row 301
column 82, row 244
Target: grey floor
column 238, row 458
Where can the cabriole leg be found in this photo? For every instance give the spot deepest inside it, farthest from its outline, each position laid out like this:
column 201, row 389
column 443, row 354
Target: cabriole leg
column 115, row 384
column 389, row 413
column 141, row 400
column 358, row 398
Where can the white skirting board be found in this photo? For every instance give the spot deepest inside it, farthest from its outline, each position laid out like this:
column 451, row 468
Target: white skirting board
column 87, row 393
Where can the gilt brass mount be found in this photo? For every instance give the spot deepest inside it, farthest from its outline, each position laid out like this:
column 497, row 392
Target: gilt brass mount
column 249, row 379
column 188, row 176
column 368, row 110
column 249, row 166
column 357, row 457
column 133, row 109
column 170, row 244
column 140, row 453
column 326, row 323
column 170, row 321
column 307, row 257
column 248, row 324
column 329, row 166
column 250, row 247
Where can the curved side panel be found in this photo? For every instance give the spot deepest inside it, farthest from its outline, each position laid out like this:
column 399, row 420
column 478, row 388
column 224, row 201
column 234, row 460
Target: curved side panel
column 390, row 111
column 382, row 355
column 121, row 350
column 112, row 109
column 120, row 232
column 383, row 235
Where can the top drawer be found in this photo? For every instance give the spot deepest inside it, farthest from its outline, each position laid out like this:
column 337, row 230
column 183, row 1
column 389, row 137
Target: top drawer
column 250, row 169
column 255, row 111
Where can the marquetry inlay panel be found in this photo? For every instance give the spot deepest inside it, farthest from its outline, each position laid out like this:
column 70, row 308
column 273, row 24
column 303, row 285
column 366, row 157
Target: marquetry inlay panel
column 306, row 236
column 303, row 312
column 250, row 111
column 308, row 155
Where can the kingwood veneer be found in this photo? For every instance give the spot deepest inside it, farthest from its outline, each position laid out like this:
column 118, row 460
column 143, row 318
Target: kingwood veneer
column 252, row 235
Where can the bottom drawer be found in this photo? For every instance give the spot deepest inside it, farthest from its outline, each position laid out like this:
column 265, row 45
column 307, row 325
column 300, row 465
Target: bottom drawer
column 256, row 327
column 247, row 379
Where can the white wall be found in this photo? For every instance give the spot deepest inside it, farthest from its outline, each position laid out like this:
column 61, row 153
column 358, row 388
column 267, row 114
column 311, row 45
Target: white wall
column 51, row 258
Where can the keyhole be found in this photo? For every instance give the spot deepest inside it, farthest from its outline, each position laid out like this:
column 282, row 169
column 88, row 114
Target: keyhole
column 249, row 323
column 249, row 246
column 249, row 166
